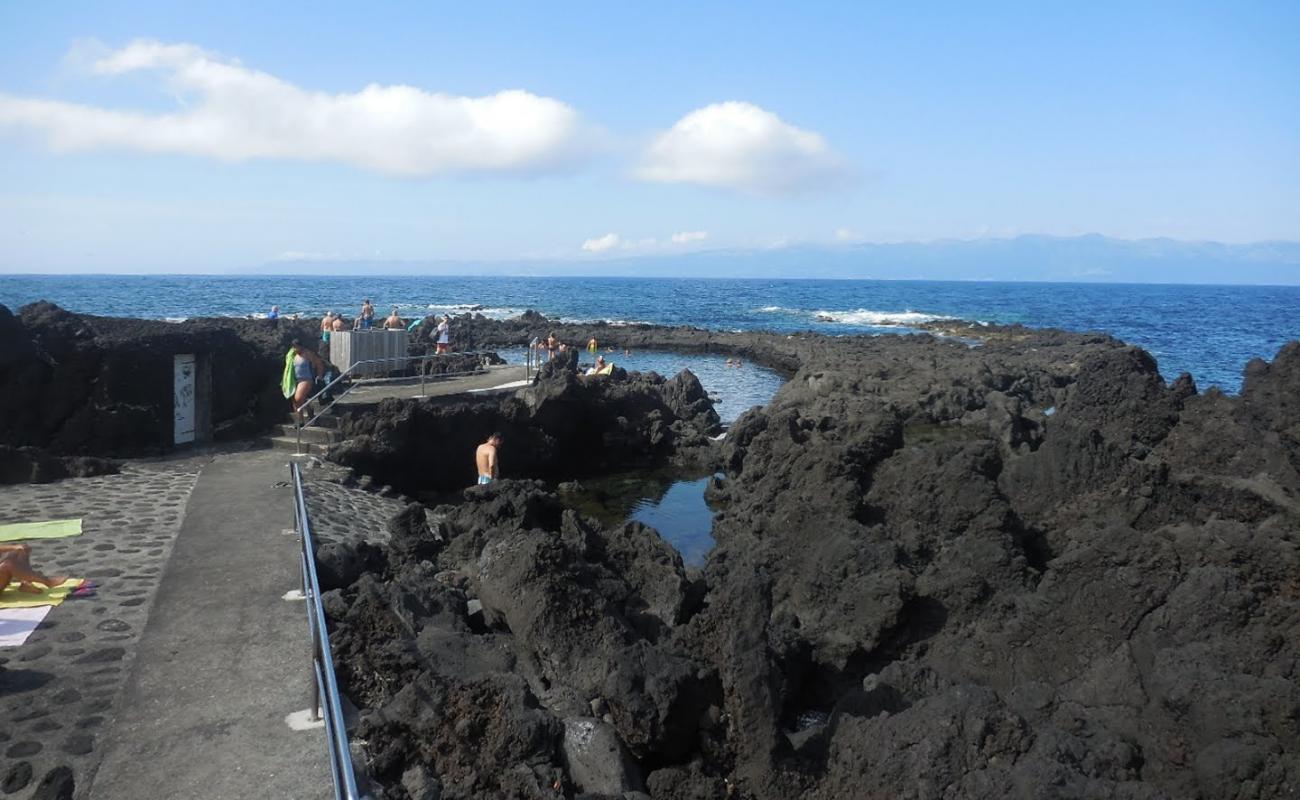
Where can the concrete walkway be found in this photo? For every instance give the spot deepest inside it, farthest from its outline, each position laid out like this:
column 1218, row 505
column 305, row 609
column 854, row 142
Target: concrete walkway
column 223, row 659
column 434, row 386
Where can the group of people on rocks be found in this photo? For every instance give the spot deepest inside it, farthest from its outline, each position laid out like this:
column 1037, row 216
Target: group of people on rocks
column 304, row 366
column 364, row 321
column 552, row 346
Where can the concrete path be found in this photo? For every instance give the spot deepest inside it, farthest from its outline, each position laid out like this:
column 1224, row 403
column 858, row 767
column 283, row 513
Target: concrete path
column 492, row 377
column 223, row 659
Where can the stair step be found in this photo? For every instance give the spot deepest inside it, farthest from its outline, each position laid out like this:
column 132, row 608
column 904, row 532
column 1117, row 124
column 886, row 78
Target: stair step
column 311, row 433
column 291, row 444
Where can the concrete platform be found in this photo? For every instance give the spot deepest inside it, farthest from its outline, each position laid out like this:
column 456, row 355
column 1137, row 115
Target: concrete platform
column 224, row 659
column 504, row 375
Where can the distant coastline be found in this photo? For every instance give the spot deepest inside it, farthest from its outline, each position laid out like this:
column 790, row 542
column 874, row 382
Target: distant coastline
column 1090, row 259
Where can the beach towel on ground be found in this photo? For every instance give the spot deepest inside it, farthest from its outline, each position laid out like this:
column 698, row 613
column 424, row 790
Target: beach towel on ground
column 16, row 624
column 13, row 598
column 50, row 529
column 287, row 383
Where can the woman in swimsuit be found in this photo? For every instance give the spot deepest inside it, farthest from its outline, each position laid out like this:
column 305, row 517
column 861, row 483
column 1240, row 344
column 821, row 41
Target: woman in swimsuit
column 306, row 366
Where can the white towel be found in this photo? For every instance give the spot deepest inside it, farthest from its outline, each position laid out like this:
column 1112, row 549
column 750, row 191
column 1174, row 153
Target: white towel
column 16, row 624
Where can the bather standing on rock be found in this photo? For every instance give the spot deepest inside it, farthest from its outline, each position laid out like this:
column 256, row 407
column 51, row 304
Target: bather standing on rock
column 367, row 318
column 444, row 334
column 485, row 458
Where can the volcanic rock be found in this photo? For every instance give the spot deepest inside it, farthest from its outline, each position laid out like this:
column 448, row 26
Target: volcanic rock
column 1023, row 566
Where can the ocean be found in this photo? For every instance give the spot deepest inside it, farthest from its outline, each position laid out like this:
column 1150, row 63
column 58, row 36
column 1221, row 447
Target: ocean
column 1209, row 331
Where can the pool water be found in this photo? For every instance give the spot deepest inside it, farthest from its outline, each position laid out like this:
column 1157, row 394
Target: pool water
column 733, row 389
column 668, row 500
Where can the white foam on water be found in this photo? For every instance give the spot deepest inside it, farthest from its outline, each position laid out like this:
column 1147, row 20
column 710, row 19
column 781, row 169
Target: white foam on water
column 883, row 319
column 769, row 309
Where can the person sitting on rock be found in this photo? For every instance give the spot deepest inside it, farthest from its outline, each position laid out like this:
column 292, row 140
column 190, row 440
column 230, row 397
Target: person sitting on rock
column 16, row 565
column 485, row 459
column 394, row 322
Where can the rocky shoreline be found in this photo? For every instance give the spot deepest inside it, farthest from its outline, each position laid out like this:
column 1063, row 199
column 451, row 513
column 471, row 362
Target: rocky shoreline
column 988, row 562
column 1028, row 567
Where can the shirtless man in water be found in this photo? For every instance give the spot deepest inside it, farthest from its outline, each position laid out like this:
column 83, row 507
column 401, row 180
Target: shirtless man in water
column 16, row 565
column 486, row 459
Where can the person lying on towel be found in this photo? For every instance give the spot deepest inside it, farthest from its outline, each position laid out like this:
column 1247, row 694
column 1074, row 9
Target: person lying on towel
column 16, row 565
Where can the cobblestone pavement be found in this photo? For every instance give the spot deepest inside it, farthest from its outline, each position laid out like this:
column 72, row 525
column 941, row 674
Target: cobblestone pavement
column 59, row 691
column 345, row 513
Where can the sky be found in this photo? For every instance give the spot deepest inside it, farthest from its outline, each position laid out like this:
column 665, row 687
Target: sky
column 189, row 137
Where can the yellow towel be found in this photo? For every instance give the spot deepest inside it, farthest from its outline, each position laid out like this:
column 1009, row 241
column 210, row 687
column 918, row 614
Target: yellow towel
column 11, row 597
column 50, row 529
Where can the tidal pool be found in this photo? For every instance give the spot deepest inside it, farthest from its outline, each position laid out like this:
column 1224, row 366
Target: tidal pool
column 668, row 500
column 733, row 389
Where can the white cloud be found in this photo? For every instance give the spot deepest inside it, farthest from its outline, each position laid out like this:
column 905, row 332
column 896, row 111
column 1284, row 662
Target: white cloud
column 233, row 113
column 602, row 243
column 848, row 236
column 613, row 241
column 738, row 145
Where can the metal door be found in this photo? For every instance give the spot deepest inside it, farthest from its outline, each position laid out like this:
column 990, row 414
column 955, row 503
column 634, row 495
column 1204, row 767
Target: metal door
column 183, row 401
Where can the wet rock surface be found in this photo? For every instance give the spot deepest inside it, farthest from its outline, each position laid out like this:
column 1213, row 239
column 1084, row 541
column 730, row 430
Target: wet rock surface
column 1026, row 568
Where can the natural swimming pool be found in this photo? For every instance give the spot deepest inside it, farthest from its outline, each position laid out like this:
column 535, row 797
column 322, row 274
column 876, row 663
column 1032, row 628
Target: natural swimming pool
column 669, row 500
column 733, row 389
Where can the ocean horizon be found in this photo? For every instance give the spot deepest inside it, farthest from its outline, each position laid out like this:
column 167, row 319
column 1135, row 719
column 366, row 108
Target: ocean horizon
column 1208, row 330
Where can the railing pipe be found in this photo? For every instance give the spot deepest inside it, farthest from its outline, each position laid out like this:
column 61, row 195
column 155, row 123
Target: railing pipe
column 325, row 684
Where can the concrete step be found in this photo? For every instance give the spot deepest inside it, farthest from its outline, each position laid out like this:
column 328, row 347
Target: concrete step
column 311, row 433
column 290, row 444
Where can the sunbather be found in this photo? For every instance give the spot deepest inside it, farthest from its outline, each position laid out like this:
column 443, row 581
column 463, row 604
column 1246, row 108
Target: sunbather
column 16, row 565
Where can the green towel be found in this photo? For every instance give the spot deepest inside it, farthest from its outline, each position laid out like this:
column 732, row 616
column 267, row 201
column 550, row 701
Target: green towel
column 51, row 529
column 287, row 383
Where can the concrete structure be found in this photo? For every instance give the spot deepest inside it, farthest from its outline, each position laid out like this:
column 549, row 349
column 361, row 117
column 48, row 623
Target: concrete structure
column 351, row 347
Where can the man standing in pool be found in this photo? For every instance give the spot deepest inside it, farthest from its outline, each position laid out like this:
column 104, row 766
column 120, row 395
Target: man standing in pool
column 485, row 458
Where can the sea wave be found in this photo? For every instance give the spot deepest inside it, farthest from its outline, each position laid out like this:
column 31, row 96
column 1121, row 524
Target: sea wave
column 879, row 319
column 769, row 310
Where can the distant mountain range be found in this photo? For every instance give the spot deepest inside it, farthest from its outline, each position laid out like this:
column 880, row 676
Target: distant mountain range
column 1092, row 259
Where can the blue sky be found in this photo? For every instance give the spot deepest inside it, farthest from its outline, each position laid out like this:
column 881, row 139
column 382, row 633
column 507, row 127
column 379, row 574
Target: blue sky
column 654, row 129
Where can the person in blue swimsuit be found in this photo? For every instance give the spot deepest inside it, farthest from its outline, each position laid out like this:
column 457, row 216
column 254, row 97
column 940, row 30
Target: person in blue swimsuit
column 306, row 366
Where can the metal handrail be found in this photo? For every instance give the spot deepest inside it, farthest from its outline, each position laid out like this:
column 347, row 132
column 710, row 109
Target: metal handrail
column 325, row 683
column 424, row 359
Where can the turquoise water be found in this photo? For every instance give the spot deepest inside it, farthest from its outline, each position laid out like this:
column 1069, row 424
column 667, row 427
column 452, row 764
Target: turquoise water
column 1210, row 331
